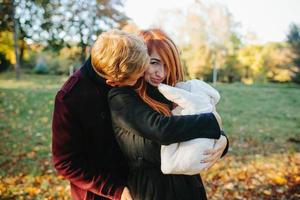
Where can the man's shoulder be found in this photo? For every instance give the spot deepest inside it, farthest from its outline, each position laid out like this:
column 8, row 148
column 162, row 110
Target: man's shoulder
column 77, row 87
column 71, row 83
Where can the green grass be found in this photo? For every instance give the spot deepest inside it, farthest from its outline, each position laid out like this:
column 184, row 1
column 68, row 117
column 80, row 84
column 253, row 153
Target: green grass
column 258, row 119
column 261, row 118
column 25, row 127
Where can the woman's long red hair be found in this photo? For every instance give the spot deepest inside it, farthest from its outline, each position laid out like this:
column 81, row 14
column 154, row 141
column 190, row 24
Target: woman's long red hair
column 167, row 50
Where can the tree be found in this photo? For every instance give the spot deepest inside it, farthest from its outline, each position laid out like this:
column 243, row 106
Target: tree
column 208, row 27
column 252, row 63
column 294, row 41
column 56, row 24
column 19, row 17
column 9, row 22
column 231, row 69
column 80, row 21
column 278, row 62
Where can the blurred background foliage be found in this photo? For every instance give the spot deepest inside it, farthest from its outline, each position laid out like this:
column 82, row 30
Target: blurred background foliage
column 208, row 38
column 49, row 36
column 52, row 36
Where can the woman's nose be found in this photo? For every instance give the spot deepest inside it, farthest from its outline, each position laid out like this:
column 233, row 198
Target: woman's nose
column 160, row 72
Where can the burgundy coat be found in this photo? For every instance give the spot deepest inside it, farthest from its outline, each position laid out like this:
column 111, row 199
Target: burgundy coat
column 84, row 149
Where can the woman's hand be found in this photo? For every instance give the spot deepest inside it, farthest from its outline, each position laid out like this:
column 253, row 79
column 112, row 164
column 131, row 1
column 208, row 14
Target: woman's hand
column 219, row 119
column 215, row 154
column 126, row 194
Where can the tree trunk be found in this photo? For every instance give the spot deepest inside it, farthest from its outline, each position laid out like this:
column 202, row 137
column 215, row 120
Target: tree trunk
column 82, row 44
column 215, row 75
column 215, row 70
column 16, row 48
column 83, row 53
column 22, row 50
column 22, row 46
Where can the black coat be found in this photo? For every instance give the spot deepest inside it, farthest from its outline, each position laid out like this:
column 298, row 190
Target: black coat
column 140, row 131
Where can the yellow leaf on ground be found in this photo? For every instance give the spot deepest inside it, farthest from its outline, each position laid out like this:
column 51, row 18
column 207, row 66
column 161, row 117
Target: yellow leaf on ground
column 279, row 180
column 32, row 191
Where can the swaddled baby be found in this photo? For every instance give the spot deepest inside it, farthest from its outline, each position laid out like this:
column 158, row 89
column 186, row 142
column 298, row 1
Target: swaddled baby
column 192, row 97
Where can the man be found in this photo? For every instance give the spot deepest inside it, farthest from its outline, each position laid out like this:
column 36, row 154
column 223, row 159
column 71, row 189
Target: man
column 83, row 146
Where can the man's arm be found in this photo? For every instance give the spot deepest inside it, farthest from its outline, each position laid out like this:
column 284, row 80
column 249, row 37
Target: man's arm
column 69, row 160
column 128, row 109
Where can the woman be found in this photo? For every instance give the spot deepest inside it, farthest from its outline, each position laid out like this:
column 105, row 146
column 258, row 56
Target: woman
column 145, row 180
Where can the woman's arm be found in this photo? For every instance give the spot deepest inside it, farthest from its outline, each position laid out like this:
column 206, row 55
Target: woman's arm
column 213, row 155
column 224, row 147
column 132, row 113
column 227, row 144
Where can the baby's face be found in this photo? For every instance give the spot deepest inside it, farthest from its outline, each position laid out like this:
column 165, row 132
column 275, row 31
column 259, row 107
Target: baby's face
column 155, row 73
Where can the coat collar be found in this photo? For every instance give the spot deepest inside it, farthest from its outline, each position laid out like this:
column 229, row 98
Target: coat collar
column 88, row 71
column 154, row 93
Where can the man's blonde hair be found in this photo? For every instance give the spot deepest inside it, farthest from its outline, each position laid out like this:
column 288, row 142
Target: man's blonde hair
column 116, row 55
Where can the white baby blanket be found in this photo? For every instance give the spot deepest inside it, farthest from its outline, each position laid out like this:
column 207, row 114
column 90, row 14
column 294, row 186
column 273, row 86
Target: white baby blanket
column 192, row 97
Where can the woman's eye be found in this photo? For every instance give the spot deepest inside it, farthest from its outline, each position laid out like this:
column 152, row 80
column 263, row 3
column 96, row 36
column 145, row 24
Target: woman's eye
column 154, row 63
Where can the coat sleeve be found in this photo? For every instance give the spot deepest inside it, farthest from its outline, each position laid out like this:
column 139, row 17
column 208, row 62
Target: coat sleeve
column 68, row 156
column 227, row 145
column 130, row 112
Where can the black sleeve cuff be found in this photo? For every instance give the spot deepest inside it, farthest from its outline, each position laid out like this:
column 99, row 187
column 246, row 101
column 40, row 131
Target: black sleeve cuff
column 227, row 146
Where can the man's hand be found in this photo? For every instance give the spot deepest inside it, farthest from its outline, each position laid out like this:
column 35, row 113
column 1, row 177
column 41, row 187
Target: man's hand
column 215, row 154
column 126, row 194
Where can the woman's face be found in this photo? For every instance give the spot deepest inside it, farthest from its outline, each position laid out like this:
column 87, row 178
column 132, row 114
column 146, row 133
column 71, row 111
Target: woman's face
column 156, row 73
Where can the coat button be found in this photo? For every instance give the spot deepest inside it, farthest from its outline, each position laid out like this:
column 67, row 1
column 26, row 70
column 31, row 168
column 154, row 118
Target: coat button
column 140, row 161
column 103, row 115
column 140, row 158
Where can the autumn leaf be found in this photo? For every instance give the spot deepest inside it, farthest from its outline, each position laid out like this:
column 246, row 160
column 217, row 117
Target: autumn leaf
column 279, row 180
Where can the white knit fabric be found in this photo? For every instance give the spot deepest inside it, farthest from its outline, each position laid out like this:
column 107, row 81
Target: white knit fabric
column 192, row 97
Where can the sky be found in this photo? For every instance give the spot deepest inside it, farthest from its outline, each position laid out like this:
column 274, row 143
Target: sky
column 269, row 20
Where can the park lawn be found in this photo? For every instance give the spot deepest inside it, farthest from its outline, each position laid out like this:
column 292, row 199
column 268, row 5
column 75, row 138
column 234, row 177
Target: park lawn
column 261, row 121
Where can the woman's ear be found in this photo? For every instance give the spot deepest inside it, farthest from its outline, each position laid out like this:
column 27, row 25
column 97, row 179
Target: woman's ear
column 111, row 83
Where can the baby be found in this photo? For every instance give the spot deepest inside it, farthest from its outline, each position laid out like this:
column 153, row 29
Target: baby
column 192, row 97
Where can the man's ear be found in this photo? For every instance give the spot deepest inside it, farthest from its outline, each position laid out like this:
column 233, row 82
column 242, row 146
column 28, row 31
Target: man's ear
column 111, row 83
